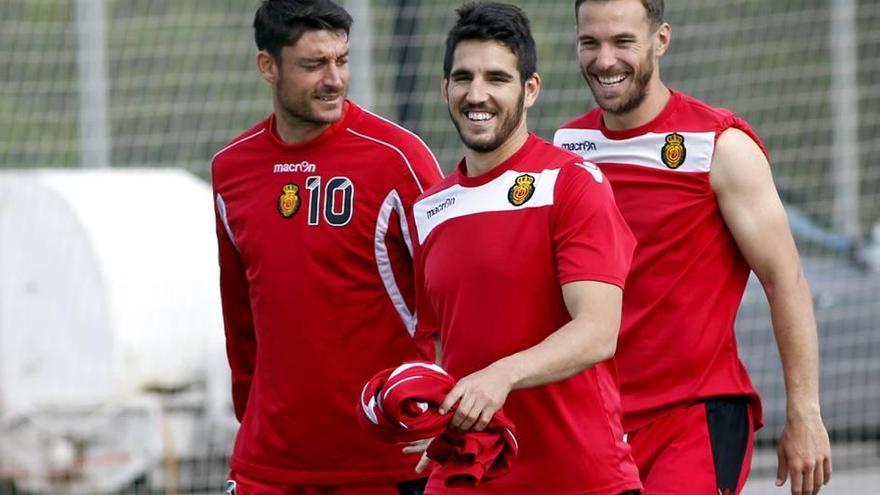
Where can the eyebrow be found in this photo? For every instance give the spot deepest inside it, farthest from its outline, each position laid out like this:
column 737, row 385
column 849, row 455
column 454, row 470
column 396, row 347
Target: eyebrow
column 490, row 73
column 498, row 73
column 588, row 37
column 323, row 58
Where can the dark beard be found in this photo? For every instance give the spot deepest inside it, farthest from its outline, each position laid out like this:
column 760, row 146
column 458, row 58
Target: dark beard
column 636, row 97
column 504, row 132
column 298, row 114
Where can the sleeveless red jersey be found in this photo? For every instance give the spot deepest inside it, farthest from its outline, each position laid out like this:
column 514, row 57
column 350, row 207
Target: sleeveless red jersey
column 677, row 341
column 317, row 291
column 493, row 252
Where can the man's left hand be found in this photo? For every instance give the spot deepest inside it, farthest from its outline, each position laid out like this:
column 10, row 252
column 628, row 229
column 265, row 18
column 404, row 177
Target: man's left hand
column 804, row 455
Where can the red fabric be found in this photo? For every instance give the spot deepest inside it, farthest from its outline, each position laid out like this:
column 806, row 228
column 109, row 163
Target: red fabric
column 491, row 269
column 688, row 275
column 317, row 290
column 243, row 485
column 677, row 447
column 465, row 459
column 400, row 405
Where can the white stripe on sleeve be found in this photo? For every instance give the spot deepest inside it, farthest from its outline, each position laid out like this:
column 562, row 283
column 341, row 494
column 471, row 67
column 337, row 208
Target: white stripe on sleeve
column 393, row 203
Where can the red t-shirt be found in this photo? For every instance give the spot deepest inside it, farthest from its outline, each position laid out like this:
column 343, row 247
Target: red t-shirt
column 493, row 252
column 317, row 290
column 677, row 342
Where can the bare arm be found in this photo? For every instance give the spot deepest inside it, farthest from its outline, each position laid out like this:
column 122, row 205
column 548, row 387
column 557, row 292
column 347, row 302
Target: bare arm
column 753, row 212
column 589, row 338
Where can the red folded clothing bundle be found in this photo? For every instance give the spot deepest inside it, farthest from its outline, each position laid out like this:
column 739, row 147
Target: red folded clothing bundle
column 400, row 405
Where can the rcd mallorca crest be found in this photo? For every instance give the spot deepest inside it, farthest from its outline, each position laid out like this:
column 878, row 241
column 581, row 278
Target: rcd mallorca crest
column 288, row 203
column 522, row 190
column 673, row 152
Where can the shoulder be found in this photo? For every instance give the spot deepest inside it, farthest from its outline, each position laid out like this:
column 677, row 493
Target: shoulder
column 588, row 120
column 384, row 133
column 575, row 175
column 548, row 164
column 570, row 173
column 738, row 161
column 580, row 134
column 736, row 146
column 696, row 105
column 546, row 155
column 692, row 114
column 224, row 161
column 438, row 187
column 241, row 141
column 719, row 117
column 580, row 177
column 718, row 120
column 399, row 143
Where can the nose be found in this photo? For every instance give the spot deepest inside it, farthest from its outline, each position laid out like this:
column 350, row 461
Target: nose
column 334, row 76
column 477, row 92
column 605, row 57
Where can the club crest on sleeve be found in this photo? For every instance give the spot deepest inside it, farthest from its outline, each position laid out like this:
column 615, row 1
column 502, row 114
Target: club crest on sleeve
column 231, row 488
column 288, row 203
column 522, row 190
column 673, row 152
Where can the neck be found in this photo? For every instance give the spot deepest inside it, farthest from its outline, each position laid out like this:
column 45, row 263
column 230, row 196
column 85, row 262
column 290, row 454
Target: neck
column 655, row 100
column 293, row 130
column 477, row 163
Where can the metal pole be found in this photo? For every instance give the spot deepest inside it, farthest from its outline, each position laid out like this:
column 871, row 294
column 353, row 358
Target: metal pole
column 844, row 97
column 406, row 84
column 92, row 64
column 361, row 59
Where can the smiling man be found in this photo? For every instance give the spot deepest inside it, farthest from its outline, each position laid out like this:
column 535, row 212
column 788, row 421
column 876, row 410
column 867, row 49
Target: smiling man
column 520, row 263
column 315, row 265
column 694, row 184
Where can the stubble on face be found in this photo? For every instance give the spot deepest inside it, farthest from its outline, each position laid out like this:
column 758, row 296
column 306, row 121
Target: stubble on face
column 300, row 107
column 634, row 96
column 301, row 100
column 506, row 127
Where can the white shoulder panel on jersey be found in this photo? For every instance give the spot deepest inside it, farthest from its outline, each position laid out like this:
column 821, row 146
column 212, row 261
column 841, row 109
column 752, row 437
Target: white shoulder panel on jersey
column 459, row 201
column 648, row 150
column 221, row 209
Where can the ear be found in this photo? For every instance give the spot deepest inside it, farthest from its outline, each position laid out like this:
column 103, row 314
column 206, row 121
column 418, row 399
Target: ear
column 267, row 66
column 662, row 38
column 444, row 89
column 531, row 89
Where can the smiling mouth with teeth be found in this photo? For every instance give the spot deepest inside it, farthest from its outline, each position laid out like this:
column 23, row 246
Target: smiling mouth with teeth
column 610, row 80
column 478, row 116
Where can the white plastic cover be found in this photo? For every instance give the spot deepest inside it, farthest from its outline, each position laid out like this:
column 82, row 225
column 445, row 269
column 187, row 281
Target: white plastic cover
column 108, row 284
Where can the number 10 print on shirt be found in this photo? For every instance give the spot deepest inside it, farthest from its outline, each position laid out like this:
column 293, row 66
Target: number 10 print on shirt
column 336, row 200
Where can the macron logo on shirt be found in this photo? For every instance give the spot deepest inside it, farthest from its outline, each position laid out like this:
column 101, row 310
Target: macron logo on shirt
column 448, row 202
column 303, row 166
column 579, row 146
column 457, row 201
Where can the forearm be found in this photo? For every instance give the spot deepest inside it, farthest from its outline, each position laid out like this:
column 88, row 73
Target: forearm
column 572, row 348
column 794, row 327
column 438, row 350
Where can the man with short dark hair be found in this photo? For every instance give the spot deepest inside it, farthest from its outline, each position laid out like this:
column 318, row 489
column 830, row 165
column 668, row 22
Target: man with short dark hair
column 695, row 187
column 315, row 257
column 520, row 263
